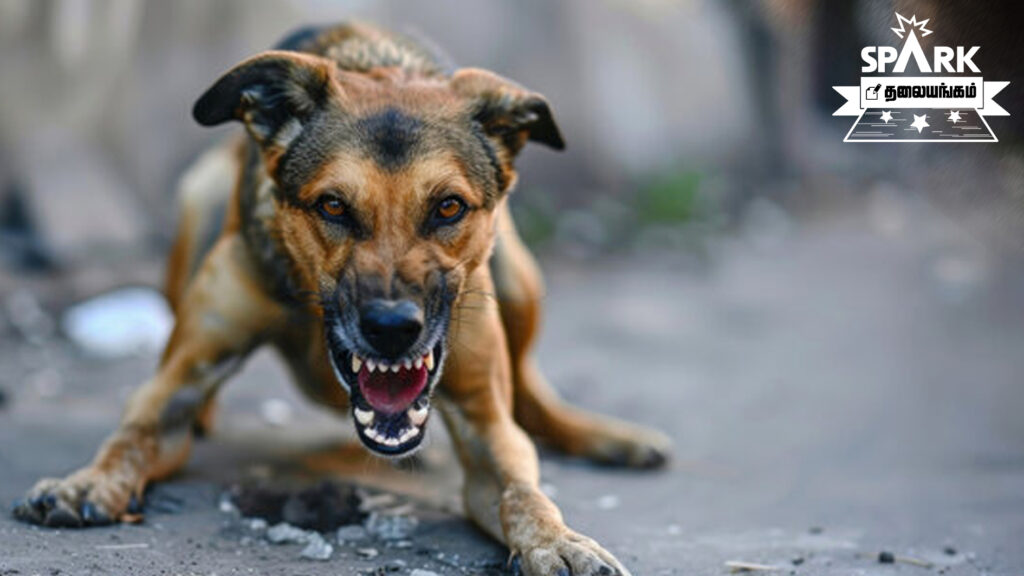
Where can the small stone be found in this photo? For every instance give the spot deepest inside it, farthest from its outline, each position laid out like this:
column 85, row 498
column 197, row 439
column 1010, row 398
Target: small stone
column 949, row 551
column 886, row 558
column 798, row 561
column 317, row 548
column 394, row 565
column 352, row 533
column 389, row 527
column 226, row 506
column 286, row 533
column 257, row 524
column 816, row 530
column 368, row 553
column 421, row 572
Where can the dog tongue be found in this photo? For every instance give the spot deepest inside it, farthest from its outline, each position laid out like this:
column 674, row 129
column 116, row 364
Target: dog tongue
column 392, row 392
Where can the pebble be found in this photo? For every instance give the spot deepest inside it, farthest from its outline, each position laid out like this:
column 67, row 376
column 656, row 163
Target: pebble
column 317, row 548
column 351, row 533
column 368, row 553
column 257, row 524
column 421, row 572
column 387, row 527
column 284, row 533
column 886, row 558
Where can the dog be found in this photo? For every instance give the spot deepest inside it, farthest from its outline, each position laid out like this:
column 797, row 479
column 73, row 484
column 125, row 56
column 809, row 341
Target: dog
column 366, row 235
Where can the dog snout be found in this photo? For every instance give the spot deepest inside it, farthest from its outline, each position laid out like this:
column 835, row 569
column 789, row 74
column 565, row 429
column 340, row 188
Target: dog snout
column 391, row 327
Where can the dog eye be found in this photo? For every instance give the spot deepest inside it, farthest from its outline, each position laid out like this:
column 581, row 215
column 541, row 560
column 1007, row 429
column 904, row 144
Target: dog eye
column 331, row 208
column 449, row 210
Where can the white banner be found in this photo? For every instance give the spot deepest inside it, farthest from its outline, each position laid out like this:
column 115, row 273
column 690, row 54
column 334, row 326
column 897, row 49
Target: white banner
column 921, row 92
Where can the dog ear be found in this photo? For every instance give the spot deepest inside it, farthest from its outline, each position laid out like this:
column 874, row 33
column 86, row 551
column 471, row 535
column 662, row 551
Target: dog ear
column 507, row 111
column 273, row 93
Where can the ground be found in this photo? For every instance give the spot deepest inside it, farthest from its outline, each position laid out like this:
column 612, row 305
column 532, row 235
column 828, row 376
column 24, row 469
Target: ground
column 835, row 389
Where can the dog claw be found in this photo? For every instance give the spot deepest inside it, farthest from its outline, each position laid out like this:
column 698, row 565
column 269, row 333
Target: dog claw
column 135, row 505
column 92, row 516
column 563, row 572
column 62, row 517
column 516, row 565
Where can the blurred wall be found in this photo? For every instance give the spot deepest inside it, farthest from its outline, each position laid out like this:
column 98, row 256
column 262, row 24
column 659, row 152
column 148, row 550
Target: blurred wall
column 95, row 94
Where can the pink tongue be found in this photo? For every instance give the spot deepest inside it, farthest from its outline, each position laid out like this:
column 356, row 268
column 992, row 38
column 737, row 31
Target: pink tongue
column 392, row 392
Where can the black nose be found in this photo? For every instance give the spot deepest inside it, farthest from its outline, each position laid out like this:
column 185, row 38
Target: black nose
column 391, row 326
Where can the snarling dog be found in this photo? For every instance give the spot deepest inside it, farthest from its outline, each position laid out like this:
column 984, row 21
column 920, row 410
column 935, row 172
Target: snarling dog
column 366, row 235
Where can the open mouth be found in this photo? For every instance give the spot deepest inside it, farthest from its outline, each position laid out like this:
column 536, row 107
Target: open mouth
column 390, row 399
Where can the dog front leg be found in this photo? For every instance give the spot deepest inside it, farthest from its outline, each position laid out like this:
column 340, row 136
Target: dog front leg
column 502, row 496
column 224, row 315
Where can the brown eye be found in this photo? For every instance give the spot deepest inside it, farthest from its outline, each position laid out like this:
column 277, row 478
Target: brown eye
column 449, row 209
column 331, row 207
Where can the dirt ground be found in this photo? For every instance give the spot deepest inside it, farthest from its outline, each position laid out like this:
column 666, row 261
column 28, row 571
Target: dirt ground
column 835, row 390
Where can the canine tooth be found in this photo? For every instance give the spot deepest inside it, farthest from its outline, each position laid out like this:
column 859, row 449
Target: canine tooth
column 365, row 417
column 418, row 363
column 429, row 360
column 395, row 367
column 417, row 415
column 371, row 366
column 356, row 364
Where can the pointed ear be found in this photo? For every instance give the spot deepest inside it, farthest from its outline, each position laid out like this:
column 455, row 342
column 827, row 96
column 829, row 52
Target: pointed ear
column 507, row 111
column 273, row 93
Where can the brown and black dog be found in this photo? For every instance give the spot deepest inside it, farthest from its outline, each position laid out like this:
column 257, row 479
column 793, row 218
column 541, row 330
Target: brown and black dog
column 367, row 236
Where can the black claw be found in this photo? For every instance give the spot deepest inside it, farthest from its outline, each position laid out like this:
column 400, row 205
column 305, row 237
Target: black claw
column 36, row 501
column 26, row 512
column 563, row 572
column 62, row 518
column 516, row 565
column 92, row 516
column 605, row 570
column 49, row 500
column 135, row 505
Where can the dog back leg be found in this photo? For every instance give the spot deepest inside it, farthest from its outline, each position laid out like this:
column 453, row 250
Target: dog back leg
column 537, row 407
column 223, row 315
column 203, row 194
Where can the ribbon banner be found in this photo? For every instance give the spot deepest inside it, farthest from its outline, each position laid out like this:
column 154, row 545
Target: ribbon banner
column 921, row 109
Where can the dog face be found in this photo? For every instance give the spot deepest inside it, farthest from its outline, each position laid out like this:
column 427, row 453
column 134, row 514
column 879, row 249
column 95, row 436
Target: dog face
column 384, row 188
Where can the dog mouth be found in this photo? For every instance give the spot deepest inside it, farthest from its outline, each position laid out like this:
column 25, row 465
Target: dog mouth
column 390, row 399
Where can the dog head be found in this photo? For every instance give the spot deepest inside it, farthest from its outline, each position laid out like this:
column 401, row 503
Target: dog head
column 385, row 187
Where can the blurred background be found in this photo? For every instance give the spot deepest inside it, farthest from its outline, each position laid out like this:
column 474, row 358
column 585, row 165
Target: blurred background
column 841, row 322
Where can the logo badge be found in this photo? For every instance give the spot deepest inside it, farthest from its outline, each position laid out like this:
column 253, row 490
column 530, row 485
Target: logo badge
column 933, row 106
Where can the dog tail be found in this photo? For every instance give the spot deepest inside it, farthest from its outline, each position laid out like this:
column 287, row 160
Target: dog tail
column 203, row 194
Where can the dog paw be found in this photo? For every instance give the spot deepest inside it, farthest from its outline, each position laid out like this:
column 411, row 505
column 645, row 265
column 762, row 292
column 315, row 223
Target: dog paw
column 86, row 498
column 571, row 554
column 630, row 447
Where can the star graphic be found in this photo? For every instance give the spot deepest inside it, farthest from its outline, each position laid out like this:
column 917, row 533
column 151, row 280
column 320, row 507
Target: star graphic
column 886, row 116
column 919, row 122
column 954, row 116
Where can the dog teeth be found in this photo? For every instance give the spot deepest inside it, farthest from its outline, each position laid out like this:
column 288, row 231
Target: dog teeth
column 429, row 360
column 409, row 434
column 417, row 415
column 408, row 364
column 395, row 367
column 356, row 364
column 371, row 366
column 365, row 417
